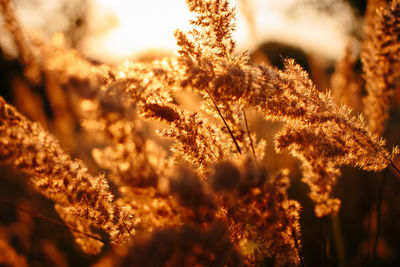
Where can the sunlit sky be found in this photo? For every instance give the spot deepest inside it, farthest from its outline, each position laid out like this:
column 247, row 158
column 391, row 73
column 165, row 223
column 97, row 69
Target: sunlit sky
column 119, row 29
column 139, row 25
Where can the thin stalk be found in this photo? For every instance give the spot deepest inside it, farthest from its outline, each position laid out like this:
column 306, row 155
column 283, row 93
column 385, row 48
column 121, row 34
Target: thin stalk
column 226, row 124
column 213, row 153
column 299, row 251
column 378, row 216
column 45, row 218
column 248, row 133
column 394, row 167
column 338, row 239
column 123, row 222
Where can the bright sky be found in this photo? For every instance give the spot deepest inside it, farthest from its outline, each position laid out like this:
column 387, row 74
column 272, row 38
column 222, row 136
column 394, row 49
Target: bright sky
column 139, row 25
column 311, row 30
column 150, row 24
column 118, row 29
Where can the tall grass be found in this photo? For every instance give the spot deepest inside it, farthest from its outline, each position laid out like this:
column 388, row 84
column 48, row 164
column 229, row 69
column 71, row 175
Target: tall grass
column 142, row 178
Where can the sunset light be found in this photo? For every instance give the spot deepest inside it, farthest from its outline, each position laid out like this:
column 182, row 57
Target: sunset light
column 201, row 133
column 144, row 27
column 115, row 30
column 138, row 26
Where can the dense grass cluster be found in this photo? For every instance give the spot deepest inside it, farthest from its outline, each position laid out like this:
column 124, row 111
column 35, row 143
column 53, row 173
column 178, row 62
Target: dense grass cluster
column 168, row 162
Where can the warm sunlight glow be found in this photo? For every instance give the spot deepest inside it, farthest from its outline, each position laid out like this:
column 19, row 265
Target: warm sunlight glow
column 312, row 30
column 118, row 29
column 139, row 25
column 244, row 133
column 121, row 29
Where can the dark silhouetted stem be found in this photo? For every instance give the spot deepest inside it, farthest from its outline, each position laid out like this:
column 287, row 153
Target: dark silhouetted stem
column 248, row 133
column 226, row 124
column 123, row 222
column 394, row 167
column 299, row 251
column 45, row 218
column 378, row 216
column 338, row 240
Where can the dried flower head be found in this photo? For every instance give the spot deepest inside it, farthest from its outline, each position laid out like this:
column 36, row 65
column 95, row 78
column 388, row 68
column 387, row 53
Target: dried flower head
column 381, row 62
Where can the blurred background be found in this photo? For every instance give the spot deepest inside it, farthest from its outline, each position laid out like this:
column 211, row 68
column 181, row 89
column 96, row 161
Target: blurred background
column 111, row 31
column 314, row 32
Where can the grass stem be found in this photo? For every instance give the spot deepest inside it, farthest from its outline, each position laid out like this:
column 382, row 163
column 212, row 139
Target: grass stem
column 226, row 124
column 378, row 216
column 53, row 221
column 248, row 133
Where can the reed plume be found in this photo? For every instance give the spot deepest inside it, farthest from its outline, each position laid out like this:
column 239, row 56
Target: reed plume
column 380, row 58
column 289, row 96
column 206, row 196
column 346, row 83
column 29, row 148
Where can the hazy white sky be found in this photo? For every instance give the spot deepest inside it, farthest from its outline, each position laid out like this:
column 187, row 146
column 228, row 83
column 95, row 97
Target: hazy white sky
column 139, row 25
column 151, row 23
column 120, row 28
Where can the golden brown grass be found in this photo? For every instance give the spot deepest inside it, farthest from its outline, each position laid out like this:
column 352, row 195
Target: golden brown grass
column 206, row 197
